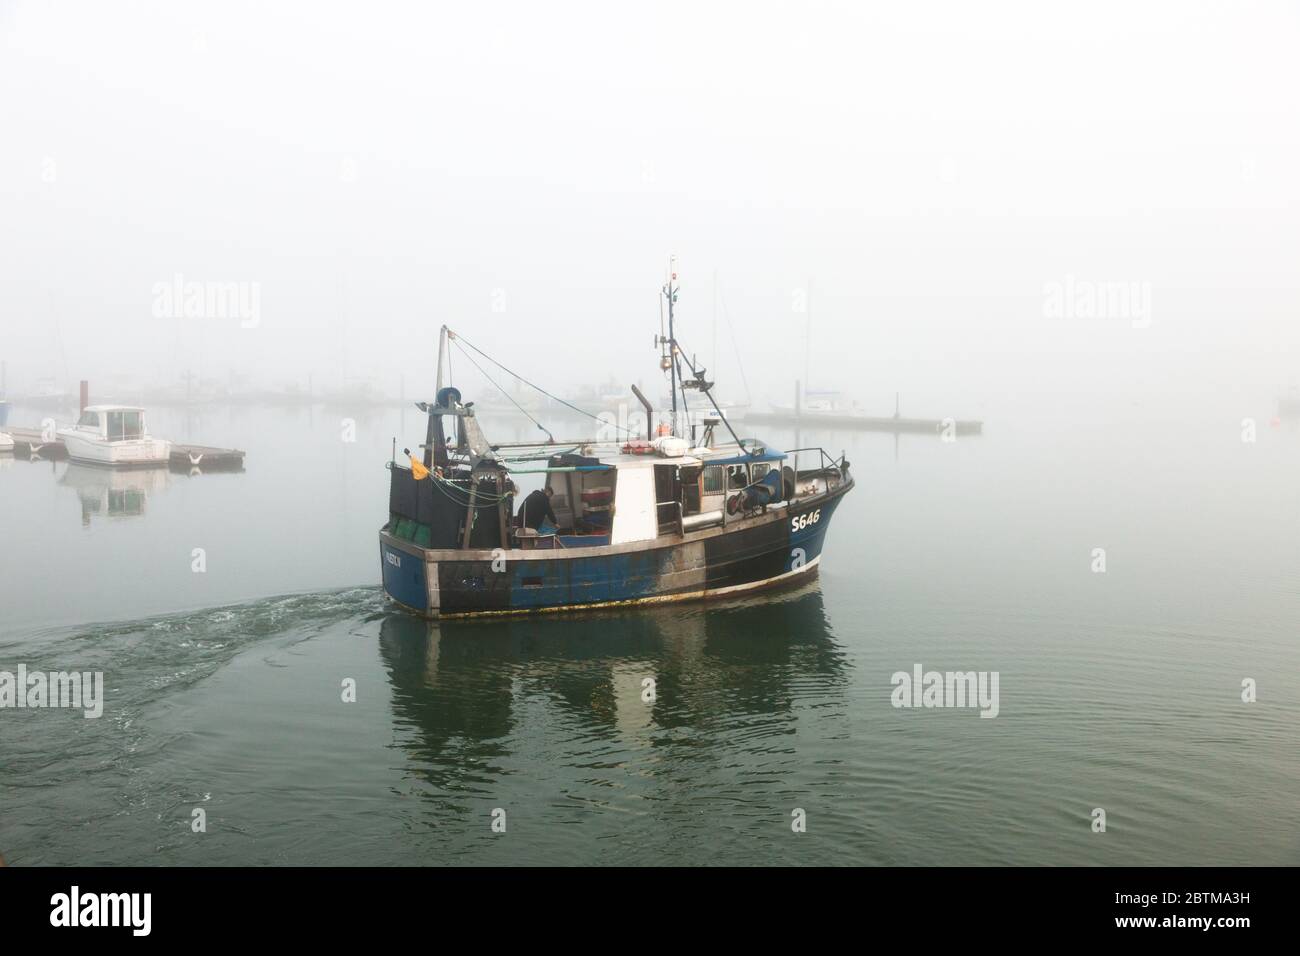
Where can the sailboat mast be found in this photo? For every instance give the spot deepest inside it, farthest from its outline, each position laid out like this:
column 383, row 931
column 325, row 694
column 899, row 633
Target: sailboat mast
column 807, row 341
column 670, row 291
column 714, row 356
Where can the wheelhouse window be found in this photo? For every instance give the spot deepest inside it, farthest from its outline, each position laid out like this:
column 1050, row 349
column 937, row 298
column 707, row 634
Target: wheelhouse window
column 88, row 420
column 125, row 425
column 758, row 471
column 715, row 480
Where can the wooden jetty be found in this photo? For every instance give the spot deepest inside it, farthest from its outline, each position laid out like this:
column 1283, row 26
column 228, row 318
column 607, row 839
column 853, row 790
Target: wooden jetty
column 28, row 442
column 205, row 458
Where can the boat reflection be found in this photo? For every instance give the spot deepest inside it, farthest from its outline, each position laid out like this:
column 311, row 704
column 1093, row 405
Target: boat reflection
column 463, row 688
column 112, row 493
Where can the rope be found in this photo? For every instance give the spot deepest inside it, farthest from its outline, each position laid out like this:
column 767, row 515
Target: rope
column 555, row 398
column 487, row 500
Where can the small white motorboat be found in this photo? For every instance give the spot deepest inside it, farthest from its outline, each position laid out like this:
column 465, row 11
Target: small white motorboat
column 6, row 442
column 114, row 435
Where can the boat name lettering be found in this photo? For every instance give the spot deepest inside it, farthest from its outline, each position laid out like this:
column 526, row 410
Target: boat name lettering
column 802, row 521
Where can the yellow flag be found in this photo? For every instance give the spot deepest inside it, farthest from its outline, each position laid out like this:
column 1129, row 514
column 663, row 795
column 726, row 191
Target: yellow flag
column 418, row 471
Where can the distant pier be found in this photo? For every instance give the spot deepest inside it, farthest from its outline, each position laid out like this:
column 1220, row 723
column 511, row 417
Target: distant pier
column 851, row 419
column 205, row 458
column 30, row 443
column 866, row 423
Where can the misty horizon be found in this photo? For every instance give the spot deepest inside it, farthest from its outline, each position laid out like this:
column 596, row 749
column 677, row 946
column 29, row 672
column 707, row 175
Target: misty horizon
column 920, row 183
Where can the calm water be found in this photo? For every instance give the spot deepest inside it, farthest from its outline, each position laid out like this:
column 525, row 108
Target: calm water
column 1118, row 690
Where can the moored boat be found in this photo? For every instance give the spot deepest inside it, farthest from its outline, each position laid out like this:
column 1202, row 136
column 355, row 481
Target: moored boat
column 114, row 435
column 686, row 512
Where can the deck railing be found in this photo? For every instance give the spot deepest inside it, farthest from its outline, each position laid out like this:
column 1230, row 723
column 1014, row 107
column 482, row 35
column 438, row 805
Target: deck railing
column 825, row 461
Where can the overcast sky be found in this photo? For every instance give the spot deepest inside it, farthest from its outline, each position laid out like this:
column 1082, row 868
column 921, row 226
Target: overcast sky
column 522, row 171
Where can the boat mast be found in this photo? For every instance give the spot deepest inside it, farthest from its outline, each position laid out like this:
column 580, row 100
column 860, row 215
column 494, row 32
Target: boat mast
column 442, row 351
column 672, row 353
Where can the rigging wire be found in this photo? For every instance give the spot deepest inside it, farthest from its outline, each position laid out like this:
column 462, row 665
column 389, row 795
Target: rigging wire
column 708, row 394
column 508, row 396
column 458, row 338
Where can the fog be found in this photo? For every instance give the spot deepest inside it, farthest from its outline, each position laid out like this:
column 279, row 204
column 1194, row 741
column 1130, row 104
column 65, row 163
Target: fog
column 915, row 193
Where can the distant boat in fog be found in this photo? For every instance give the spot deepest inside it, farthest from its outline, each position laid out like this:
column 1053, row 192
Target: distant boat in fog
column 355, row 393
column 510, row 403
column 48, row 396
column 822, row 403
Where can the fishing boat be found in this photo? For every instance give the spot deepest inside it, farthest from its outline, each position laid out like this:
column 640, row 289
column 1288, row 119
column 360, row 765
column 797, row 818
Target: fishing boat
column 114, row 435
column 690, row 510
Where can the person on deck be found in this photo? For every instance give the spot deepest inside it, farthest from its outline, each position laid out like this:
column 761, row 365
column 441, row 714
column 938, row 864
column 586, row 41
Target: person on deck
column 537, row 513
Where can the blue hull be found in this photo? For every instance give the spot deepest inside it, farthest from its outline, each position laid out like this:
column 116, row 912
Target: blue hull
column 781, row 547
